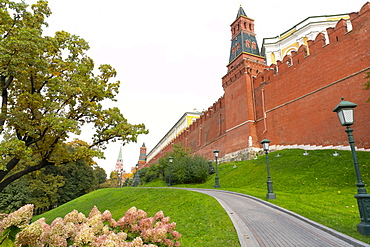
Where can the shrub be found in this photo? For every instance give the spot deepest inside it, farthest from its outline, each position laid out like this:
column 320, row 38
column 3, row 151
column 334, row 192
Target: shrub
column 183, row 170
column 188, row 170
column 151, row 174
column 134, row 229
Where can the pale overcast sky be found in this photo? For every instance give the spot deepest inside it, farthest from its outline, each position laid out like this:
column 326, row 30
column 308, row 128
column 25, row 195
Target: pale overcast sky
column 171, row 55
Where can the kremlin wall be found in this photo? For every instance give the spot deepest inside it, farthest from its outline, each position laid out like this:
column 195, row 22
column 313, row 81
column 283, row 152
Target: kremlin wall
column 289, row 102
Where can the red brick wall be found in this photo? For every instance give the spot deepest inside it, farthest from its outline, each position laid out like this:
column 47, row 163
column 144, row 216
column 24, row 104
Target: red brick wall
column 291, row 102
column 208, row 132
column 299, row 99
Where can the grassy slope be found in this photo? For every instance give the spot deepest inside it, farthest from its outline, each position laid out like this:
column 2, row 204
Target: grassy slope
column 197, row 216
column 318, row 186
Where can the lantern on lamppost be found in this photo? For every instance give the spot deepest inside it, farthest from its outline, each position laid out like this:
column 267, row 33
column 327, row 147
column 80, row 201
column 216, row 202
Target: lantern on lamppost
column 345, row 112
column 217, row 184
column 270, row 192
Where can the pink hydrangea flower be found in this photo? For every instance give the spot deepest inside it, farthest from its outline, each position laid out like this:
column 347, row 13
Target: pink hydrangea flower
column 160, row 234
column 159, row 215
column 169, row 242
column 141, row 214
column 176, row 235
column 70, row 229
column 138, row 242
column 57, row 241
column 171, row 227
column 84, row 237
column 130, row 217
column 107, row 215
column 146, row 223
column 166, row 220
column 75, row 217
column 19, row 218
column 94, row 211
column 121, row 222
column 58, row 227
column 122, row 236
column 30, row 235
column 113, row 223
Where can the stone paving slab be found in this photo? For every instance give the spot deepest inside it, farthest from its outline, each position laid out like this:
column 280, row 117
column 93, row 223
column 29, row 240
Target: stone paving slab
column 260, row 223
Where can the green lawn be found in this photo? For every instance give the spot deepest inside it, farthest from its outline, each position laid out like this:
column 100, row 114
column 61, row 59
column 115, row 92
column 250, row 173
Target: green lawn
column 197, row 215
column 318, row 186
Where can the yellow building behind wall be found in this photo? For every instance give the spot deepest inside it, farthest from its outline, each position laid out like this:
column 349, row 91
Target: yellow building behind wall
column 186, row 120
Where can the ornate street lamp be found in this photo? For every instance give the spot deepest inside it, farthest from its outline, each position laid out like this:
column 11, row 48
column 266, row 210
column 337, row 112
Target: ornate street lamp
column 270, row 192
column 217, row 185
column 345, row 111
column 170, row 159
column 136, row 176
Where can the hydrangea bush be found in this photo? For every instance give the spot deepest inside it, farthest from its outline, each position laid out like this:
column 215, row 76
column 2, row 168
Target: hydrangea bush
column 98, row 230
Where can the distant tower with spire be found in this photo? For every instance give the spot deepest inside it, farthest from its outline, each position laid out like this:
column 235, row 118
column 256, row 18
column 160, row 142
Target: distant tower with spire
column 142, row 157
column 119, row 163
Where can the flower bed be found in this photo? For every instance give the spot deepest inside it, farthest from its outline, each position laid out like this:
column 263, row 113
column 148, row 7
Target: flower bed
column 98, row 229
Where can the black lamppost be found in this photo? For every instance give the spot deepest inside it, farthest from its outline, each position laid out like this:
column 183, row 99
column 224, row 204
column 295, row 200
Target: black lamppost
column 136, row 177
column 345, row 111
column 270, row 192
column 170, row 159
column 215, row 153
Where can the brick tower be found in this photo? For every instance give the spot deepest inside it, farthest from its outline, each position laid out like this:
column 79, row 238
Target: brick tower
column 142, row 157
column 244, row 63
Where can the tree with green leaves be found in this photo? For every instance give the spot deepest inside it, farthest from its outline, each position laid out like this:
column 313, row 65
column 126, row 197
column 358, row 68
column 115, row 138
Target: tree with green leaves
column 114, row 179
column 15, row 195
column 79, row 179
column 44, row 189
column 53, row 186
column 100, row 174
column 49, row 91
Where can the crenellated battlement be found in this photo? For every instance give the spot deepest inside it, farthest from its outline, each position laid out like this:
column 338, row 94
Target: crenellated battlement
column 212, row 111
column 318, row 46
column 246, row 65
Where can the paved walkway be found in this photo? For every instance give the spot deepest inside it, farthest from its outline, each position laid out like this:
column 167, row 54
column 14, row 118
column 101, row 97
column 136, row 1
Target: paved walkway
column 260, row 223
